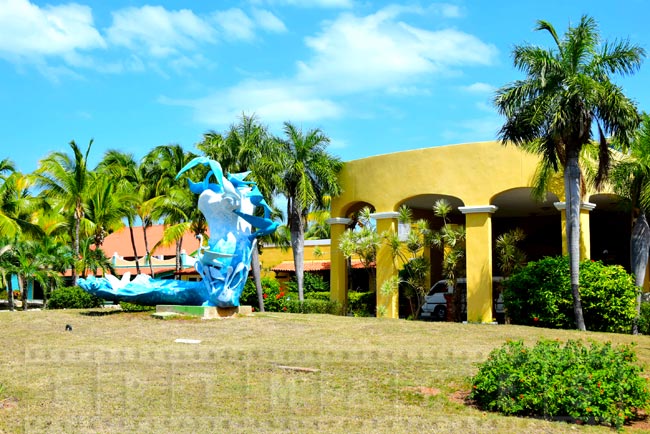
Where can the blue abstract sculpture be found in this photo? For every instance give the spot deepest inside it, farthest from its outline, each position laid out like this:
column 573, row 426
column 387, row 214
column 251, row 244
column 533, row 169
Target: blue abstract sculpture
column 223, row 264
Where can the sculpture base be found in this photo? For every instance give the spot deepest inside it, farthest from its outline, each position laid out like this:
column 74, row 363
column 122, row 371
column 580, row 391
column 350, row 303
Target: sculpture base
column 206, row 312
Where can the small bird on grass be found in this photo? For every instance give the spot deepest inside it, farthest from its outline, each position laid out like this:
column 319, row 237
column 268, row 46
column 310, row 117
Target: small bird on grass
column 68, row 328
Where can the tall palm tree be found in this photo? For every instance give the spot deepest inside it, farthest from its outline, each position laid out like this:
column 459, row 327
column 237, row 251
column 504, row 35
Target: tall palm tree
column 18, row 208
column 55, row 258
column 567, row 93
column 7, row 269
column 107, row 204
column 173, row 202
column 308, row 174
column 630, row 178
column 65, row 180
column 93, row 258
column 7, row 225
column 30, row 268
column 130, row 177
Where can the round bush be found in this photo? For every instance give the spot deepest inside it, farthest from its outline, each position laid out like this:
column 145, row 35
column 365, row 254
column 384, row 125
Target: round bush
column 136, row 307
column 312, row 282
column 362, row 303
column 597, row 384
column 72, row 298
column 272, row 293
column 540, row 294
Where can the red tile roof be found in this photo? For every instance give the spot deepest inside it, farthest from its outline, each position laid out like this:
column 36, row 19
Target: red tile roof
column 316, row 265
column 120, row 242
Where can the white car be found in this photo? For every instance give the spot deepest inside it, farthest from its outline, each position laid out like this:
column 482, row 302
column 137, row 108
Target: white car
column 435, row 304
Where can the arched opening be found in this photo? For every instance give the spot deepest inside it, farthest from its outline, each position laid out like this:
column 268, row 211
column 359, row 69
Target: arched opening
column 421, row 207
column 611, row 225
column 360, row 275
column 540, row 221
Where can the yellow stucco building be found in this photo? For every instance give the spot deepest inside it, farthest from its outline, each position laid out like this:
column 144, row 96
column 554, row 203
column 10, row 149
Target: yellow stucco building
column 488, row 185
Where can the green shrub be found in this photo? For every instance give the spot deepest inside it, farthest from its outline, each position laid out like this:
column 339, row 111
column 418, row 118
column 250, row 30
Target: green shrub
column 597, row 384
column 272, row 293
column 540, row 294
column 362, row 303
column 312, row 282
column 72, row 297
column 313, row 295
column 135, row 307
column 313, row 306
column 644, row 318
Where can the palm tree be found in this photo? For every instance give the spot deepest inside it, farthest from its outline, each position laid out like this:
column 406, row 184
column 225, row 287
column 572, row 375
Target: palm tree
column 566, row 93
column 362, row 242
column 107, row 204
column 317, row 226
column 18, row 208
column 630, row 178
column 178, row 209
column 450, row 240
column 510, row 257
column 7, row 224
column 131, row 180
column 173, row 202
column 308, row 174
column 30, row 268
column 55, row 257
column 93, row 259
column 65, row 180
column 7, row 269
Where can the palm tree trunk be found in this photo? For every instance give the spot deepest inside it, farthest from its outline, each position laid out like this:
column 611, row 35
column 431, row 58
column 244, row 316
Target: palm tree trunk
column 257, row 275
column 77, row 229
column 348, row 266
column 296, row 228
column 46, row 290
column 135, row 251
column 146, row 248
column 179, row 245
column 639, row 245
column 23, row 291
column 572, row 193
column 10, row 293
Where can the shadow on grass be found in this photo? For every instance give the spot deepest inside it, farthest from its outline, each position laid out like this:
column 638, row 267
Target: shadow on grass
column 102, row 312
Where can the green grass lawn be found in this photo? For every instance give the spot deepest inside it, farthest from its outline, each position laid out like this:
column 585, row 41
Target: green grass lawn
column 124, row 373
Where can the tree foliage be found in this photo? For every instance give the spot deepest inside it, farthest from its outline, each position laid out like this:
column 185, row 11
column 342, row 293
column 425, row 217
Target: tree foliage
column 566, row 95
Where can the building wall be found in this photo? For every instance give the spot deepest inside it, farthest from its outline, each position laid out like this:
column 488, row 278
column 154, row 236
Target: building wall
column 475, row 176
column 472, row 172
column 272, row 255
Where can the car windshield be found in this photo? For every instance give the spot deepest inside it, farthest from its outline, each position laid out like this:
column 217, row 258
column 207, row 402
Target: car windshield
column 438, row 287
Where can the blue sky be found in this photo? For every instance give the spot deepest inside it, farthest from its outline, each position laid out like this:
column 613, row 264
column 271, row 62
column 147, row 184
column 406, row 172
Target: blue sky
column 376, row 77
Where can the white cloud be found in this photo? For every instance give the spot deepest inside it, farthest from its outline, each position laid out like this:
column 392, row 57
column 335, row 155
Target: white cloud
column 235, row 24
column 473, row 130
column 267, row 21
column 378, row 50
column 352, row 54
column 273, row 101
column 479, row 88
column 447, row 10
column 31, row 33
column 344, row 4
column 163, row 33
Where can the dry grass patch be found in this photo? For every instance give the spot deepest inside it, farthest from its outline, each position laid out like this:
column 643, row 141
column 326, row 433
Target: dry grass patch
column 124, row 373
